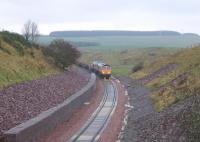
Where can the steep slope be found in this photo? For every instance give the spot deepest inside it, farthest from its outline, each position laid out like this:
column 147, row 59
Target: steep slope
column 175, row 87
column 19, row 61
column 177, row 84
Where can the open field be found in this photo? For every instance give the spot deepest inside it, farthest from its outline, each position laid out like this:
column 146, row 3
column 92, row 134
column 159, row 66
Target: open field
column 127, row 42
column 123, row 60
column 124, row 52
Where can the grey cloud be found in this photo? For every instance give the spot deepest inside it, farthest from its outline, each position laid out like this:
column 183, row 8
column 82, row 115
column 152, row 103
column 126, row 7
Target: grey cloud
column 122, row 14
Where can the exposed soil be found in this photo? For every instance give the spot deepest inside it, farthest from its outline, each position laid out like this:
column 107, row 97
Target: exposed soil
column 162, row 71
column 21, row 102
column 65, row 131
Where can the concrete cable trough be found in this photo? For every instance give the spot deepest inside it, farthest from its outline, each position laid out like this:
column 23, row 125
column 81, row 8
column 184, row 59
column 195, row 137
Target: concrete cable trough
column 91, row 131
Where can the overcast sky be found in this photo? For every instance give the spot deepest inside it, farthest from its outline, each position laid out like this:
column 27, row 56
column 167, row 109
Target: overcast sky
column 51, row 15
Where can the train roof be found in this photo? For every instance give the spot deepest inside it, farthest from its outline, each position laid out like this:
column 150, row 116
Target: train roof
column 100, row 63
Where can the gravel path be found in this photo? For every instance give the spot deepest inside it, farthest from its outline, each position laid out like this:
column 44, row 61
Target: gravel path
column 140, row 101
column 139, row 98
column 19, row 103
column 171, row 125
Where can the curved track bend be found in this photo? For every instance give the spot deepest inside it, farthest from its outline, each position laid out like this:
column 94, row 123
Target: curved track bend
column 91, row 131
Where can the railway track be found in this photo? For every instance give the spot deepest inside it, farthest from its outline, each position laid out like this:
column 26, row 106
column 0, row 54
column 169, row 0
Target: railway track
column 93, row 128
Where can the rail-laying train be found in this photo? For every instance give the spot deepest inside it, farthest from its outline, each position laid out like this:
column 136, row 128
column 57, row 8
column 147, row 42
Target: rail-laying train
column 101, row 69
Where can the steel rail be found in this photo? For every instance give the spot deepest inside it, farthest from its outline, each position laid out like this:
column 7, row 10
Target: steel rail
column 91, row 131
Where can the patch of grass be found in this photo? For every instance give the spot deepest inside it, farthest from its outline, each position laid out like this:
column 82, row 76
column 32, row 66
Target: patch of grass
column 162, row 100
column 162, row 80
column 15, row 68
column 188, row 58
column 122, row 70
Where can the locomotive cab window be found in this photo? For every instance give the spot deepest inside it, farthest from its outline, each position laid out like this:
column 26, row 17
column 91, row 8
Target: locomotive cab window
column 107, row 67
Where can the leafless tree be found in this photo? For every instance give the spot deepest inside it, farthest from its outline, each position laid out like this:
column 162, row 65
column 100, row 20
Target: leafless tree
column 30, row 31
column 26, row 30
column 34, row 31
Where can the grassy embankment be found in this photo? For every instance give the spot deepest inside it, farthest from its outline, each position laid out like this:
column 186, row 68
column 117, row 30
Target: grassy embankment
column 189, row 61
column 20, row 62
column 123, row 60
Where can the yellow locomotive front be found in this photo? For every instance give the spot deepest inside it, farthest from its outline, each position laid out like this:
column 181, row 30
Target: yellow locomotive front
column 106, row 71
column 101, row 69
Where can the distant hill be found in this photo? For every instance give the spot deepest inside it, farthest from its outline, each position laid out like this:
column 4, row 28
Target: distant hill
column 113, row 33
column 190, row 34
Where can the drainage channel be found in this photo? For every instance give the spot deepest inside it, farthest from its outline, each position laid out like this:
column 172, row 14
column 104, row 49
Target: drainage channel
column 93, row 128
